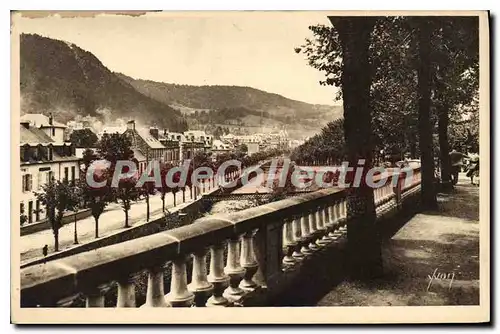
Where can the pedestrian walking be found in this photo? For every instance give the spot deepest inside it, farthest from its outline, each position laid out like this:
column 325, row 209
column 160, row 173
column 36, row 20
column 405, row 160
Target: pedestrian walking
column 456, row 160
column 473, row 167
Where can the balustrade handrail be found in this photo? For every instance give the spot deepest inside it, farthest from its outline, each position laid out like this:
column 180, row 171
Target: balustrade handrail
column 83, row 272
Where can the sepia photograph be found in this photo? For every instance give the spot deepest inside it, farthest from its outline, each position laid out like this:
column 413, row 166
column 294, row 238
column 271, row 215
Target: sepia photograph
column 264, row 166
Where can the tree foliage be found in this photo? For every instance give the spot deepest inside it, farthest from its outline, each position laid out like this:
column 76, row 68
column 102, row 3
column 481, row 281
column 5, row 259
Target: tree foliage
column 393, row 60
column 83, row 138
column 58, row 197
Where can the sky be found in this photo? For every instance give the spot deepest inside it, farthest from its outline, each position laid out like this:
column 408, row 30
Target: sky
column 211, row 48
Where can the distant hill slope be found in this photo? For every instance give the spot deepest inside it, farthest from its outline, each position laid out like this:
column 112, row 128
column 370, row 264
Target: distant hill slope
column 62, row 78
column 234, row 97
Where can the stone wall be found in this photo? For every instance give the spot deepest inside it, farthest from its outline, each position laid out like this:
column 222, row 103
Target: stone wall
column 45, row 225
column 181, row 215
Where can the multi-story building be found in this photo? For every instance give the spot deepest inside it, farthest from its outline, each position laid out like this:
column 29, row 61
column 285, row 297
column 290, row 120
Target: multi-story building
column 44, row 157
column 172, row 141
column 220, row 147
column 145, row 142
column 195, row 141
column 48, row 125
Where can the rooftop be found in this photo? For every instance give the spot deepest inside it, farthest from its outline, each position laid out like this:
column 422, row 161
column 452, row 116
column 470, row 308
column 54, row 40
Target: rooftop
column 40, row 120
column 34, row 136
column 151, row 141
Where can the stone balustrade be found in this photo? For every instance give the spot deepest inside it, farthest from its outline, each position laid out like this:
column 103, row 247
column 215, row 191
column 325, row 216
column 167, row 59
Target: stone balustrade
column 232, row 257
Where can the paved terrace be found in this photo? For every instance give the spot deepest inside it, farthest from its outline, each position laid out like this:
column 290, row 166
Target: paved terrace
column 442, row 243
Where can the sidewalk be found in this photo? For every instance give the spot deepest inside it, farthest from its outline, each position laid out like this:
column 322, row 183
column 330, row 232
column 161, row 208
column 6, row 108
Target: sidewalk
column 432, row 260
column 111, row 220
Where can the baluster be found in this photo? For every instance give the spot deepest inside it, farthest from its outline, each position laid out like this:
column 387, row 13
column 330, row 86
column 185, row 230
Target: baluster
column 338, row 213
column 179, row 295
column 126, row 291
column 313, row 231
column 199, row 285
column 381, row 200
column 305, row 235
column 155, row 294
column 335, row 217
column 95, row 296
column 329, row 219
column 288, row 243
column 248, row 261
column 388, row 198
column 234, row 270
column 217, row 276
column 320, row 218
column 296, row 236
column 343, row 221
column 377, row 200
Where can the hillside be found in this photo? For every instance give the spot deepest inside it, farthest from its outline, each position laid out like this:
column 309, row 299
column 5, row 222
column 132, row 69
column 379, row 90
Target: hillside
column 62, row 78
column 238, row 103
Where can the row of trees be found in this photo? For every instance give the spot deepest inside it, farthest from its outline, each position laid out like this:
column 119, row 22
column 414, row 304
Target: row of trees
column 402, row 79
column 393, row 57
column 60, row 197
column 325, row 148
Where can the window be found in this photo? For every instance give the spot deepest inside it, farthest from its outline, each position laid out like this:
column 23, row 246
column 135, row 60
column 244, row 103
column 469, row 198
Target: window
column 30, row 212
column 49, row 153
column 53, row 132
column 27, row 182
column 50, row 176
column 37, row 210
column 39, row 181
column 66, row 174
column 73, row 175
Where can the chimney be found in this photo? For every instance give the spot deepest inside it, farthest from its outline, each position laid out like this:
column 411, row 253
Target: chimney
column 51, row 119
column 131, row 125
column 153, row 131
column 26, row 124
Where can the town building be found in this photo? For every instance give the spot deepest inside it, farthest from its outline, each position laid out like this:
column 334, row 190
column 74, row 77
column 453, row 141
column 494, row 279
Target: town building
column 53, row 129
column 220, row 147
column 146, row 142
column 195, row 141
column 111, row 130
column 171, row 141
column 44, row 156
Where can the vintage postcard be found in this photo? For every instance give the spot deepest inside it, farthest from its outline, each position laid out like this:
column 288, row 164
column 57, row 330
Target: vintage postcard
column 251, row 167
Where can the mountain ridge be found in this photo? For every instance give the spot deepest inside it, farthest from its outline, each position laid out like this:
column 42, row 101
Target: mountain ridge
column 60, row 77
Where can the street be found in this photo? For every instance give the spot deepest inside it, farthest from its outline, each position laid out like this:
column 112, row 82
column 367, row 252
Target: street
column 111, row 220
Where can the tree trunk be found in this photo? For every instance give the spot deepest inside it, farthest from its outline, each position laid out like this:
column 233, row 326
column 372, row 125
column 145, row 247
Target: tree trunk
column 163, row 202
column 96, row 218
column 184, row 195
column 126, row 218
column 363, row 241
column 174, row 199
column 147, row 207
column 75, row 237
column 56, row 240
column 428, row 193
column 444, row 148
